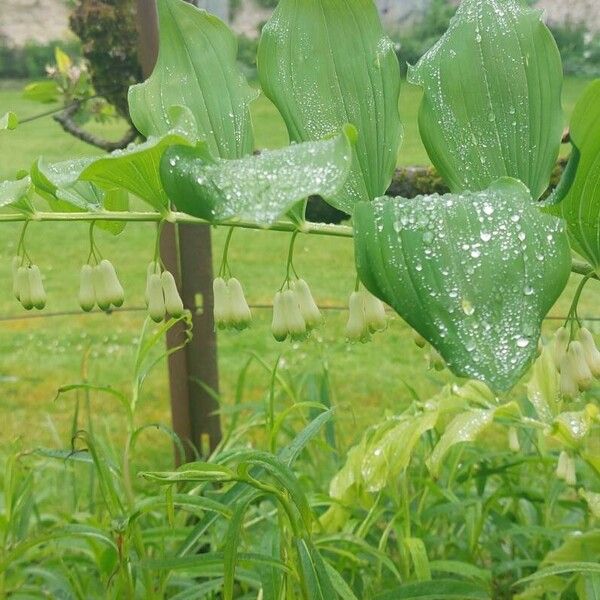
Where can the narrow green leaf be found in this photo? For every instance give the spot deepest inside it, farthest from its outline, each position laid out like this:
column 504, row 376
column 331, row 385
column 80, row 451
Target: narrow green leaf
column 257, row 188
column 420, row 560
column 192, row 473
column 9, row 121
column 325, row 63
column 578, row 195
column 440, row 589
column 562, row 569
column 460, row 568
column 313, row 572
column 196, row 68
column 341, row 587
column 492, row 97
column 473, row 273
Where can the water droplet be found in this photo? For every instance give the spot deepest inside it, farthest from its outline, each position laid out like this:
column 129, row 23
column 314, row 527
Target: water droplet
column 522, row 342
column 468, row 308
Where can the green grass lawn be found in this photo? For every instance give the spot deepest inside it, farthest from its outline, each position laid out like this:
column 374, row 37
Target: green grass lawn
column 38, row 355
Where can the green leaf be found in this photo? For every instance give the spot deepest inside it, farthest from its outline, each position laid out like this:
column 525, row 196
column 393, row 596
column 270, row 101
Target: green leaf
column 325, row 63
column 492, row 97
column 389, row 455
column 135, row 170
column 196, row 68
column 578, row 195
column 9, row 121
column 314, row 576
column 440, row 589
column 16, row 194
column 256, row 188
column 192, row 473
column 116, row 200
column 562, row 569
column 473, row 273
column 420, row 560
column 465, row 427
column 46, row 91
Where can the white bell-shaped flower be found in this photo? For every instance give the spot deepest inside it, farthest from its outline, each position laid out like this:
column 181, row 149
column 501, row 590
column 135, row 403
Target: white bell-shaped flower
column 222, row 303
column 579, row 367
column 279, row 327
column 156, row 299
column 374, row 312
column 173, row 301
column 591, row 352
column 86, row 297
column 36, row 287
column 560, row 343
column 308, row 307
column 24, row 287
column 241, row 316
column 357, row 329
column 568, row 384
column 296, row 325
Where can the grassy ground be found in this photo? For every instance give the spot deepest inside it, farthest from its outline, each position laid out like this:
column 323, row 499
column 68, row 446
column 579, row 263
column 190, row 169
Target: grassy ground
column 38, row 355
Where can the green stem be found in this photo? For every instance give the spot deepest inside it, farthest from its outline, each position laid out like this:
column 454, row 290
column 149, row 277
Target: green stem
column 224, row 270
column 572, row 316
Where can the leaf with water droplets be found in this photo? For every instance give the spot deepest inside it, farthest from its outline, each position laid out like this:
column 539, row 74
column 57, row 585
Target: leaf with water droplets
column 257, row 188
column 60, row 185
column 135, row 169
column 492, row 97
column 16, row 194
column 196, row 68
column 470, row 298
column 328, row 63
column 577, row 198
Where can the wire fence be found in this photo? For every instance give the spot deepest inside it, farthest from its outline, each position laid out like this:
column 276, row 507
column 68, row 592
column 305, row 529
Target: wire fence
column 142, row 309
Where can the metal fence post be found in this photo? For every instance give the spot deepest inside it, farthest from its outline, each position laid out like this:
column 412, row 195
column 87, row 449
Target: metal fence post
column 186, row 251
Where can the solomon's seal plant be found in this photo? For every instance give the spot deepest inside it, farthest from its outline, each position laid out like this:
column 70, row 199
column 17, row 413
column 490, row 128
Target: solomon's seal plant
column 474, row 272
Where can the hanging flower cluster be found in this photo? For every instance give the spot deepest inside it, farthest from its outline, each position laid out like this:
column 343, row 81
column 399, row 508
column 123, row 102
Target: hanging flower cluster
column 28, row 287
column 295, row 312
column 367, row 316
column 231, row 311
column 162, row 295
column 99, row 285
column 577, row 359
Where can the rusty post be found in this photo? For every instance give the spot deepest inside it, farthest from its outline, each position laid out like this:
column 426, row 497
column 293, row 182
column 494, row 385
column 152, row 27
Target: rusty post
column 187, row 252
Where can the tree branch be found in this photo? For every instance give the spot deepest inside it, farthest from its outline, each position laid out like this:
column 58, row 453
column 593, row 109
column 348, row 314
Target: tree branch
column 65, row 119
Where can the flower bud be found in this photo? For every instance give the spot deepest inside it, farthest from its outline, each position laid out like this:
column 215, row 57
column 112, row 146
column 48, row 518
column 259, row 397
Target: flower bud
column 100, row 290
column 591, row 352
column 561, row 467
column 568, row 384
column 356, row 327
column 435, row 360
column 570, row 472
column 308, row 307
column 374, row 312
column 16, row 263
column 36, row 288
column 156, row 300
column 294, row 320
column 222, row 303
column 279, row 326
column 419, row 340
column 560, row 344
column 513, row 439
column 173, row 302
column 86, row 298
column 241, row 317
column 579, row 368
column 114, row 289
column 24, row 288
